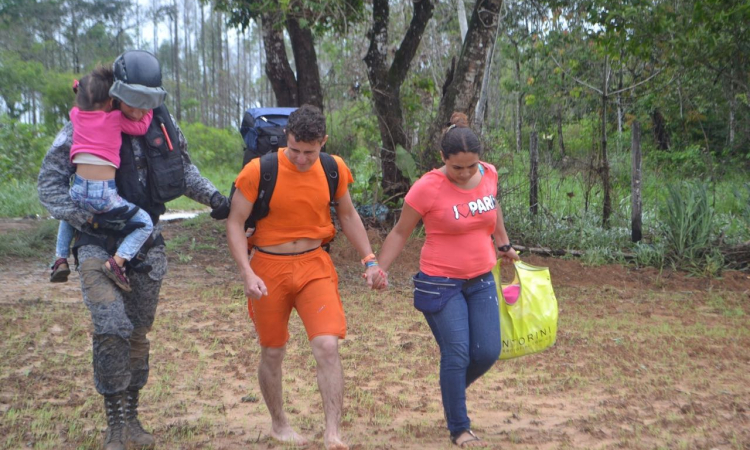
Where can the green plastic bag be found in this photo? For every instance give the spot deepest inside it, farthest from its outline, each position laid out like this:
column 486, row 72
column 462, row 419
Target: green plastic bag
column 528, row 311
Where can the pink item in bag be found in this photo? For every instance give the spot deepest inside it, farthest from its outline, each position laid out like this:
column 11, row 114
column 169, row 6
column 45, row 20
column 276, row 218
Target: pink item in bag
column 511, row 293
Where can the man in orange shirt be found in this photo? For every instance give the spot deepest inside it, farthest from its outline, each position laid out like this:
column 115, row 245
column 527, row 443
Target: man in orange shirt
column 289, row 269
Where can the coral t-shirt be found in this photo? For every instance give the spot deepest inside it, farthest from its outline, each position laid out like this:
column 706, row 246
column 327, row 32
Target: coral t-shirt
column 459, row 224
column 299, row 205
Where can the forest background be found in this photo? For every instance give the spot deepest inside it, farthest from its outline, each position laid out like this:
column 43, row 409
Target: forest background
column 566, row 91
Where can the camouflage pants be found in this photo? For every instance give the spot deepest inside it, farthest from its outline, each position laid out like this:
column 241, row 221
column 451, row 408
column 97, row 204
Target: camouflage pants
column 121, row 320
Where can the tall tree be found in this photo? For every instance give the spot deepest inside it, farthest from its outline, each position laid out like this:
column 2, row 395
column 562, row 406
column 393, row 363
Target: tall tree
column 302, row 20
column 386, row 82
column 464, row 83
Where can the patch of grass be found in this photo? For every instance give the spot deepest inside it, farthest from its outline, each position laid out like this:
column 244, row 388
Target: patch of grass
column 222, row 178
column 38, row 241
column 19, row 199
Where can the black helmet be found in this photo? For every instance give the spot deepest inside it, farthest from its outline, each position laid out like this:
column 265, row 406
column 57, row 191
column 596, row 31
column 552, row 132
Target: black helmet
column 138, row 80
column 138, row 67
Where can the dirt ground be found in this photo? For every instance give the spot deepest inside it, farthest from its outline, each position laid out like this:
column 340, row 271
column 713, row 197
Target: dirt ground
column 643, row 359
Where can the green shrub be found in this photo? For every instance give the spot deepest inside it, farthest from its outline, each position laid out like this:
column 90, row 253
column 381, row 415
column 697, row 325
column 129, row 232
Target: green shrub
column 687, row 161
column 352, row 128
column 19, row 199
column 213, row 146
column 22, row 148
column 366, row 170
column 649, row 255
column 688, row 223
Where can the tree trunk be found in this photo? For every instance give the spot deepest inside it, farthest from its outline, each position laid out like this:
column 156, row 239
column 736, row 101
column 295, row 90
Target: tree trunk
column 604, row 160
column 214, row 75
column 386, row 86
column 309, row 89
column 660, row 130
column 620, row 107
column 74, row 38
column 186, row 30
column 481, row 110
column 635, row 184
column 226, row 99
column 278, row 69
column 732, row 115
column 176, row 61
column 560, row 132
column 204, row 93
column 462, row 94
column 533, row 174
column 220, row 68
column 519, row 103
column 462, row 25
column 241, row 75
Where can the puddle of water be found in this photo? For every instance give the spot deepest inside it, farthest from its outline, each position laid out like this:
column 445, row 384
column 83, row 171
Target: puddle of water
column 179, row 215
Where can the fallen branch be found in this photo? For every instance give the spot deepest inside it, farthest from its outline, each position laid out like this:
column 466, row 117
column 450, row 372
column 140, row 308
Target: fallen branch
column 546, row 251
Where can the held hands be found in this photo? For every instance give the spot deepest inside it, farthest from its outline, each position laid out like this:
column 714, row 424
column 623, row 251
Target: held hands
column 117, row 219
column 376, row 279
column 374, row 275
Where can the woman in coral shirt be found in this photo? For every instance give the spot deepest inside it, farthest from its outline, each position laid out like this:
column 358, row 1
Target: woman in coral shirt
column 454, row 288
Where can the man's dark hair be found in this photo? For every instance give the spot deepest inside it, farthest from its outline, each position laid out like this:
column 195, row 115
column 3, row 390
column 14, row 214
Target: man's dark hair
column 92, row 92
column 307, row 124
column 458, row 137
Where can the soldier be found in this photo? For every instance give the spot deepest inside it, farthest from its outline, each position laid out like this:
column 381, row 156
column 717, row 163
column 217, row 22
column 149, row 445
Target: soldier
column 154, row 169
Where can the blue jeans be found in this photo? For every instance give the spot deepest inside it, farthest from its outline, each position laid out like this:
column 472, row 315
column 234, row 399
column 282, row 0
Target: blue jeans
column 65, row 233
column 99, row 197
column 467, row 329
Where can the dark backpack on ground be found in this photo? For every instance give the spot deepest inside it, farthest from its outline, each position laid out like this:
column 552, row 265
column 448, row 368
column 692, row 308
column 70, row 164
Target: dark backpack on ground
column 262, row 130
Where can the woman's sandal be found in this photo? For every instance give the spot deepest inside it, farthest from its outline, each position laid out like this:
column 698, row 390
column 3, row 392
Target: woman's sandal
column 473, row 438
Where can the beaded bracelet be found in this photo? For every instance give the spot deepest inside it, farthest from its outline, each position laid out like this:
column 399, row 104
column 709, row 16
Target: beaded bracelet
column 369, row 257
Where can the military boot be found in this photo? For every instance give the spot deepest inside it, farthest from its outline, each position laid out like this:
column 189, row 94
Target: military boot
column 116, row 429
column 137, row 436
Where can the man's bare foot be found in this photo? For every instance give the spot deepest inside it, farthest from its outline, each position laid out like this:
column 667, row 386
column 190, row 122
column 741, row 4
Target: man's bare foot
column 288, row 436
column 335, row 443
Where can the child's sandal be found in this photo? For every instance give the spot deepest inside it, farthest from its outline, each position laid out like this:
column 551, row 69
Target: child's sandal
column 117, row 274
column 60, row 271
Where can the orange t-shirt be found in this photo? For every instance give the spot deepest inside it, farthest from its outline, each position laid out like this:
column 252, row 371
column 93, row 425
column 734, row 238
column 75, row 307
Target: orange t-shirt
column 299, row 205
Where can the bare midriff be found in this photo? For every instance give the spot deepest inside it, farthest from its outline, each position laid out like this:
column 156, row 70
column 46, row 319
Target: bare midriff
column 95, row 172
column 296, row 246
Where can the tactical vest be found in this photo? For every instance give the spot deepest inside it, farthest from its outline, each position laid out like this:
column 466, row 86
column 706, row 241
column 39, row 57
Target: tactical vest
column 165, row 176
column 162, row 160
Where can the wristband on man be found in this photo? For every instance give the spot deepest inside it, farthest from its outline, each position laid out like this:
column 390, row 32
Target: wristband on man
column 369, row 259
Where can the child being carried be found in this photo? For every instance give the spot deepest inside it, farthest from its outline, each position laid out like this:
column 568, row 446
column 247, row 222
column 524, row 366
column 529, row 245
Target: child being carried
column 97, row 128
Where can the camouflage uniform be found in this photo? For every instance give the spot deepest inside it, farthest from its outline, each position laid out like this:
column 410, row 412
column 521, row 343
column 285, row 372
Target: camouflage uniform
column 121, row 320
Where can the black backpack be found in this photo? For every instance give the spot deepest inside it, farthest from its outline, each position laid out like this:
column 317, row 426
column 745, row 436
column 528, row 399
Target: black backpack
column 262, row 130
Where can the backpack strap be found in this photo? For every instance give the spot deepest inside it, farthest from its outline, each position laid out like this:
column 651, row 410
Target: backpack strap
column 332, row 175
column 269, row 172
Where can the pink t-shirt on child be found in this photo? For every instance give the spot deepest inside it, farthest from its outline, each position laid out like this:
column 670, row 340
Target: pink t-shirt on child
column 459, row 224
column 99, row 132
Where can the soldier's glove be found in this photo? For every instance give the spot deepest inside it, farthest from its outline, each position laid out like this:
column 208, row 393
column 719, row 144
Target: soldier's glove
column 219, row 206
column 138, row 264
column 117, row 219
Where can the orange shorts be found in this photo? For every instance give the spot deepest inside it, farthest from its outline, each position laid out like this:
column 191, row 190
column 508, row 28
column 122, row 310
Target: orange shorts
column 307, row 283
